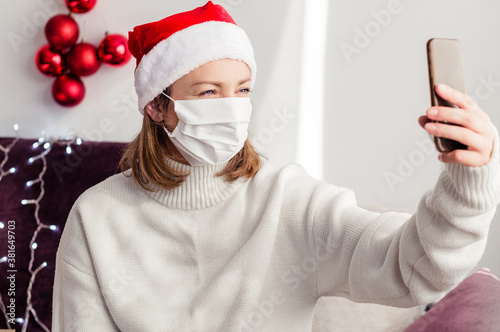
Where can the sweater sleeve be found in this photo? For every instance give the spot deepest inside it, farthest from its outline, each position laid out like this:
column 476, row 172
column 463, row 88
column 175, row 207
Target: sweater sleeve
column 78, row 304
column 400, row 259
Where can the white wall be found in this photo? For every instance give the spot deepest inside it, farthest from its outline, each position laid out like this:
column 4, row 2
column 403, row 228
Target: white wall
column 375, row 97
column 109, row 111
column 371, row 103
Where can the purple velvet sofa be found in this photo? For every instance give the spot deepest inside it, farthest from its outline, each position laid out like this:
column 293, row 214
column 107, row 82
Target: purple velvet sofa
column 39, row 182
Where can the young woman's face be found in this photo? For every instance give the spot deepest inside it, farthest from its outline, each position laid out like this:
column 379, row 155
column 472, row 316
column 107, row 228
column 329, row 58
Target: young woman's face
column 217, row 79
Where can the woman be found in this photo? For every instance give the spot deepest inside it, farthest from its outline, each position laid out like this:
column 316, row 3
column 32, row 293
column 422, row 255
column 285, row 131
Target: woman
column 200, row 234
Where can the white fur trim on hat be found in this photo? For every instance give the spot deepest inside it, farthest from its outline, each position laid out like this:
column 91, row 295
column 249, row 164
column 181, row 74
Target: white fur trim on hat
column 187, row 50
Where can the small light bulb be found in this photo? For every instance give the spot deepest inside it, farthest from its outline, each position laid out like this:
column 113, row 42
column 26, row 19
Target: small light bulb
column 16, row 127
column 34, row 245
column 53, row 227
column 36, row 145
column 44, row 264
column 24, row 202
column 68, row 150
column 46, row 145
column 3, row 259
column 31, row 160
column 12, row 170
column 2, row 225
column 79, row 141
column 20, row 320
column 29, row 183
column 41, row 139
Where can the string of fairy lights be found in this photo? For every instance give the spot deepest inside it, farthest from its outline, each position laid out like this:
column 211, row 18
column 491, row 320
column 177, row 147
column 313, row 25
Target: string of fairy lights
column 3, row 174
column 42, row 155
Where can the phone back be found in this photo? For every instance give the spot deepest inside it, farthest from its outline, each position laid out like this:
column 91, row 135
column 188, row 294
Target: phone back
column 446, row 66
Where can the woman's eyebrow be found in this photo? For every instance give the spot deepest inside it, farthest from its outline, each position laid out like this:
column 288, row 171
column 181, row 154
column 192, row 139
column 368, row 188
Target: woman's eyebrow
column 219, row 84
column 207, row 82
column 243, row 81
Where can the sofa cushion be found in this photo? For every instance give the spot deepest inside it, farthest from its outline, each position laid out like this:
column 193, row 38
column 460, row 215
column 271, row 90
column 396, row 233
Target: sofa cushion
column 472, row 306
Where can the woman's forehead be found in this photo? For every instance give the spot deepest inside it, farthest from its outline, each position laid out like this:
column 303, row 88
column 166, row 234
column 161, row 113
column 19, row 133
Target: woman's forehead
column 218, row 72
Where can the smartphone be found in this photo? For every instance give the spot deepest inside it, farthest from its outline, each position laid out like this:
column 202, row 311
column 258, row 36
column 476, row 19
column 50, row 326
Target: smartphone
column 446, row 65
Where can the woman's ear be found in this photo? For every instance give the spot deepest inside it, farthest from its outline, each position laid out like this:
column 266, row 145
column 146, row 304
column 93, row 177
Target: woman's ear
column 154, row 113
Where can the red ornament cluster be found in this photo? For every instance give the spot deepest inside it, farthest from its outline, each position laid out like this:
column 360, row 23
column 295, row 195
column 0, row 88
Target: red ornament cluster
column 68, row 60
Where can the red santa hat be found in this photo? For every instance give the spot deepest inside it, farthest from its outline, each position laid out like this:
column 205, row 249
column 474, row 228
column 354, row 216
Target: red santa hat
column 168, row 49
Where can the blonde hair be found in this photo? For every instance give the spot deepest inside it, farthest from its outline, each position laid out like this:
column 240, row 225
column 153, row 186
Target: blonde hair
column 146, row 156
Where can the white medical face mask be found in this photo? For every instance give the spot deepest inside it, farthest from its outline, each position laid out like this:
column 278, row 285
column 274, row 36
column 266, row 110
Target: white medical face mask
column 212, row 130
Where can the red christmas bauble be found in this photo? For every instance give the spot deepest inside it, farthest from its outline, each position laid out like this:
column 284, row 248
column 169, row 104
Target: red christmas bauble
column 68, row 90
column 82, row 60
column 80, row 6
column 49, row 61
column 113, row 50
column 62, row 31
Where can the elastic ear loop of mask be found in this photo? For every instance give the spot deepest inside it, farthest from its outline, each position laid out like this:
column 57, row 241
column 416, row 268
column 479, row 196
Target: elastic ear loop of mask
column 163, row 93
column 165, row 128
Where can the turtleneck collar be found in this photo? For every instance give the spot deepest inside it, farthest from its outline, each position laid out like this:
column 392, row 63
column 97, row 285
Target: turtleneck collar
column 201, row 189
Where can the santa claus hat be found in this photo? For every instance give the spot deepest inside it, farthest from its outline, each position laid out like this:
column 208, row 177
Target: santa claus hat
column 168, row 49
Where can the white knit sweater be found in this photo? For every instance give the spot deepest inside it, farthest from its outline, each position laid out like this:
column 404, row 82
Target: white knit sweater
column 256, row 255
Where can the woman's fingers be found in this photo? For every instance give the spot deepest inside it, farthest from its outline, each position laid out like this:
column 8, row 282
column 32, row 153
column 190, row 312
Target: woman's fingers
column 464, row 118
column 456, row 133
column 461, row 100
column 455, row 97
column 423, row 120
column 464, row 157
column 467, row 124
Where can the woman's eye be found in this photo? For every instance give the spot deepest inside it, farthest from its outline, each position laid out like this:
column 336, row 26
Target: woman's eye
column 208, row 92
column 245, row 91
